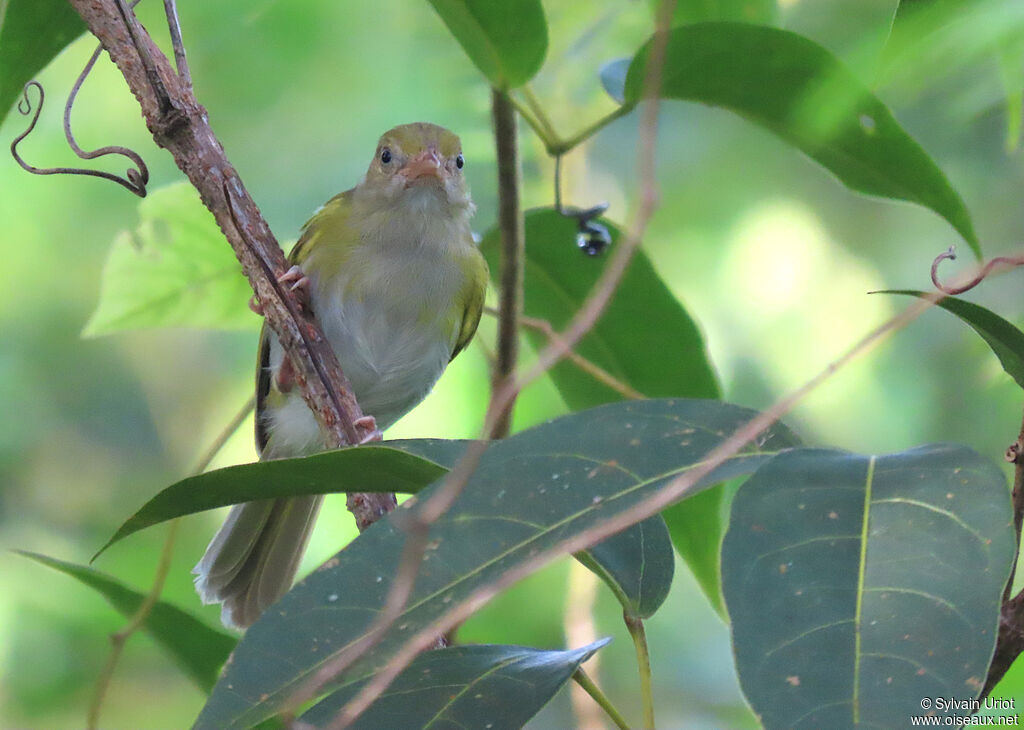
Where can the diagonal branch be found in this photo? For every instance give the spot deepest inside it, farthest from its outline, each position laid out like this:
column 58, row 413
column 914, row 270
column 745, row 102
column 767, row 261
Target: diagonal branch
column 180, row 125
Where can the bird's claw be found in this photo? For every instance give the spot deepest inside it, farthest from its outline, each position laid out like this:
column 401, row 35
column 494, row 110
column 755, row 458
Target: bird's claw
column 369, row 423
column 299, row 284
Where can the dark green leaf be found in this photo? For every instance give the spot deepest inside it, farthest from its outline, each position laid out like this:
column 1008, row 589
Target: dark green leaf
column 530, row 492
column 613, row 78
column 32, row 33
column 174, row 270
column 400, row 466
column 197, row 648
column 697, row 11
column 506, row 40
column 802, row 93
column 858, row 585
column 1006, row 341
column 637, row 564
column 483, row 686
column 558, row 278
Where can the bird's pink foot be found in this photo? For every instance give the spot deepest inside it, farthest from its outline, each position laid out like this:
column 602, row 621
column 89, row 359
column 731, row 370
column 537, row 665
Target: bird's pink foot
column 299, row 284
column 369, row 423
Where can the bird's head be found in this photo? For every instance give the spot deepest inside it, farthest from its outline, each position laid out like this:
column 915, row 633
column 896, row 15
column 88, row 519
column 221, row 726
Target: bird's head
column 420, row 166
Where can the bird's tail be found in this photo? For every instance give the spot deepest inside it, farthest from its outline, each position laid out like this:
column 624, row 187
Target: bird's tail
column 252, row 559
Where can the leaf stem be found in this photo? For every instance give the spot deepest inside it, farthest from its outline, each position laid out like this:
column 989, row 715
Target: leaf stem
column 550, row 141
column 535, row 106
column 583, row 680
column 635, row 625
column 565, row 145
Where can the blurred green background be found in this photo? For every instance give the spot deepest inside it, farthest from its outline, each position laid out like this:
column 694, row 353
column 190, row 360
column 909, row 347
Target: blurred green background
column 771, row 255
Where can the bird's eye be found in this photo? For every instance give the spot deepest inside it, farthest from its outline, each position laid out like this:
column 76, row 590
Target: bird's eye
column 459, row 162
column 385, row 155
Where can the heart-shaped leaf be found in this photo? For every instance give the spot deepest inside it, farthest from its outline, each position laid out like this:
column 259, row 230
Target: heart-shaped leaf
column 32, row 33
column 483, row 686
column 174, row 270
column 529, row 493
column 801, row 92
column 858, row 585
column 506, row 40
column 197, row 648
column 1006, row 340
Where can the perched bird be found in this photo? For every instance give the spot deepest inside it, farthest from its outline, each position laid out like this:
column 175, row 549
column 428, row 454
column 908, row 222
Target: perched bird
column 392, row 273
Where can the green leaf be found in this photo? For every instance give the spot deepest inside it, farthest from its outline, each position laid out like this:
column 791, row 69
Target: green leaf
column 605, row 460
column 857, row 585
column 801, row 92
column 32, row 33
column 697, row 11
column 174, row 270
column 637, row 564
column 399, row 466
column 483, row 686
column 558, row 278
column 506, row 40
column 197, row 648
column 1006, row 341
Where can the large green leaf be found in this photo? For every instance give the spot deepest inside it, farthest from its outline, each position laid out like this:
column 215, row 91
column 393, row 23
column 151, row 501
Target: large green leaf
column 32, row 32
column 801, row 92
column 399, row 466
column 1006, row 340
column 174, row 270
column 506, row 40
column 199, row 649
column 483, row 686
column 529, row 493
column 637, row 564
column 858, row 585
column 558, row 278
column 697, row 11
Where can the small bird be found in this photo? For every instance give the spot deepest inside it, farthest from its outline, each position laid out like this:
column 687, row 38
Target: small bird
column 393, row 275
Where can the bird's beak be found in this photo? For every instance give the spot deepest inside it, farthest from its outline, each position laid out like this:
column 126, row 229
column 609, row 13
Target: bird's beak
column 424, row 165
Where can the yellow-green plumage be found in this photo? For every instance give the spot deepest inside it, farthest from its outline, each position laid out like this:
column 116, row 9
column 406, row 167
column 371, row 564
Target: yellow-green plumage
column 398, row 285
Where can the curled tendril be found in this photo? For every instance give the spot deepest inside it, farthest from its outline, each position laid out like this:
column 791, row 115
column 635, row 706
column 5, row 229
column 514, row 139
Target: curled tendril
column 135, row 178
column 1000, row 262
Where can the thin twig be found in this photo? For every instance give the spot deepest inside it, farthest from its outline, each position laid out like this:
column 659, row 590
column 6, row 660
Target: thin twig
column 174, row 26
column 590, row 687
column 635, row 626
column 511, row 226
column 417, row 521
column 588, row 366
column 1010, row 639
column 120, row 638
column 180, row 125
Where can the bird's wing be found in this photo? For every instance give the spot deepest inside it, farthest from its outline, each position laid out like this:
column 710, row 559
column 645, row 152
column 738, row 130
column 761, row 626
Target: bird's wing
column 472, row 297
column 325, row 224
